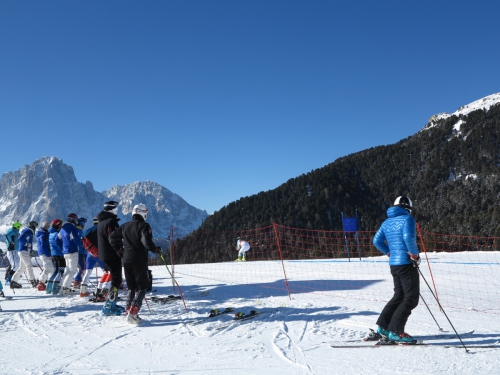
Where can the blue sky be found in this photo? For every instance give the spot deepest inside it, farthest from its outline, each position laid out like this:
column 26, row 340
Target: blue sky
column 218, row 100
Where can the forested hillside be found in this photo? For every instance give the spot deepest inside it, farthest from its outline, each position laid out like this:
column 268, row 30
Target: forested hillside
column 450, row 169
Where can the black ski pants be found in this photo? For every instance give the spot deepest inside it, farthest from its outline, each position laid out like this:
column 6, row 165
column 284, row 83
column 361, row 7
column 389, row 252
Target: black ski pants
column 137, row 281
column 114, row 264
column 406, row 296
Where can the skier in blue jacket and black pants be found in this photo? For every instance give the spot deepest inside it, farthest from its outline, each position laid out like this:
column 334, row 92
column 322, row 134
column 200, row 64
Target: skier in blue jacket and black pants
column 396, row 238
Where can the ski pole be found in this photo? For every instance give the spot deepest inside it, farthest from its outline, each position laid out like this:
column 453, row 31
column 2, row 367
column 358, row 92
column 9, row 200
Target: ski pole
column 431, row 313
column 441, row 307
column 147, row 304
column 178, row 286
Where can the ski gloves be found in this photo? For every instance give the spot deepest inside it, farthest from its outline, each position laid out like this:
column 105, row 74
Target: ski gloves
column 415, row 260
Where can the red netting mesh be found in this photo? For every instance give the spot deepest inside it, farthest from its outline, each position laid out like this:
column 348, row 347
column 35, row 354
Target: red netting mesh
column 461, row 270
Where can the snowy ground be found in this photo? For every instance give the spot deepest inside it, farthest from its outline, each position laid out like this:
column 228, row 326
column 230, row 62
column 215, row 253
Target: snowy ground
column 41, row 334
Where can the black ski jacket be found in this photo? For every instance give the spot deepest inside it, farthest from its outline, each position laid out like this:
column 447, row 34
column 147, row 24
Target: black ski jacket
column 108, row 223
column 137, row 239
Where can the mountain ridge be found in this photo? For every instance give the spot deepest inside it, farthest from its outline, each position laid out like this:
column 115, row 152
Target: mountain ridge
column 48, row 189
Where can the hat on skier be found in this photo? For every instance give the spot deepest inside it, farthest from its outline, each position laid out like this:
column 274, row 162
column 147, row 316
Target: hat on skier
column 404, row 202
column 81, row 222
column 32, row 224
column 17, row 225
column 72, row 218
column 46, row 225
column 95, row 220
column 140, row 209
column 111, row 206
column 56, row 223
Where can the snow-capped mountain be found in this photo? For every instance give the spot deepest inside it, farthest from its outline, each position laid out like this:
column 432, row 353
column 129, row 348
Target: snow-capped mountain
column 165, row 207
column 48, row 189
column 483, row 103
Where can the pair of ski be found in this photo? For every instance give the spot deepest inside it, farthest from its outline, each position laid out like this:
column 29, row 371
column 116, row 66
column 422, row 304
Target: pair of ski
column 239, row 317
column 382, row 341
column 163, row 300
column 213, row 313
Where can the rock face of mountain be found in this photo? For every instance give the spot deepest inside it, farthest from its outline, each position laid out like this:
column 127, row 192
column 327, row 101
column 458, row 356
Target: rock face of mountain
column 48, row 189
column 165, row 207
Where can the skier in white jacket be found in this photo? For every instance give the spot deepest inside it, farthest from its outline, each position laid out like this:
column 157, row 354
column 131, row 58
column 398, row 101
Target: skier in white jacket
column 242, row 246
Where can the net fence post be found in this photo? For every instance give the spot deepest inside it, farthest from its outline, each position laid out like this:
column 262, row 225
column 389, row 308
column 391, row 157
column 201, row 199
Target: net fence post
column 281, row 256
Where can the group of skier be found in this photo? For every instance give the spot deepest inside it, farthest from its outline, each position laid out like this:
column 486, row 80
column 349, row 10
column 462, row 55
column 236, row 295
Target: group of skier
column 68, row 256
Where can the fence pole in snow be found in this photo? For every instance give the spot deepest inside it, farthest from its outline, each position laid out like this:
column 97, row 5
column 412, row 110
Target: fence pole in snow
column 281, row 256
column 172, row 255
column 427, row 260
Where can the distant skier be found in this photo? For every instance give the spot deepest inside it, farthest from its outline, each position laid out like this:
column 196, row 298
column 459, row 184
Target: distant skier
column 25, row 246
column 42, row 239
column 108, row 223
column 12, row 242
column 137, row 239
column 242, row 247
column 399, row 230
column 71, row 243
column 90, row 244
column 82, row 255
column 54, row 283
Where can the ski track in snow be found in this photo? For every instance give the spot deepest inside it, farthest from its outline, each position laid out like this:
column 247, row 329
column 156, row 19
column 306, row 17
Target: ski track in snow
column 44, row 334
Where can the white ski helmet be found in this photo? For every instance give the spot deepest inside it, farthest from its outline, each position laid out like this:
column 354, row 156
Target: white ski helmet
column 404, row 202
column 140, row 209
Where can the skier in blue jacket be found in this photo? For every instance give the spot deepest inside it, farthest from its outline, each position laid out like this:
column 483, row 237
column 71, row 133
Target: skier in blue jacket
column 82, row 254
column 12, row 242
column 42, row 239
column 24, row 250
column 396, row 238
column 54, row 283
column 71, row 244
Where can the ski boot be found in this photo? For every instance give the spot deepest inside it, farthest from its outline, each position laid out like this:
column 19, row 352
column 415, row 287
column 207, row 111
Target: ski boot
column 239, row 259
column 243, row 259
column 56, row 287
column 110, row 307
column 15, row 285
column 67, row 291
column 76, row 284
column 8, row 276
column 402, row 338
column 376, row 335
column 41, row 286
column 48, row 289
column 83, row 291
column 133, row 315
column 2, row 294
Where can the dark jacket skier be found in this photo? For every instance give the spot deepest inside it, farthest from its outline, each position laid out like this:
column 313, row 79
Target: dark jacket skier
column 108, row 223
column 137, row 239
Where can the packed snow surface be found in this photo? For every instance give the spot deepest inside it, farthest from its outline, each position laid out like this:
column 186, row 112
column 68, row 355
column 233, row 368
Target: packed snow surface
column 44, row 334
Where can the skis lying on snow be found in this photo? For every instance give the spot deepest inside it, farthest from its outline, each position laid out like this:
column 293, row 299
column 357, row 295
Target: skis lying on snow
column 239, row 317
column 213, row 313
column 164, row 299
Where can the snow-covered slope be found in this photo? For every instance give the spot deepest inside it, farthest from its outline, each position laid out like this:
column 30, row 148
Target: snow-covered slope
column 484, row 103
column 44, row 334
column 48, row 189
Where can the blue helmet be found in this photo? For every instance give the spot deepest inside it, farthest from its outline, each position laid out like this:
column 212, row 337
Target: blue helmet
column 82, row 221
